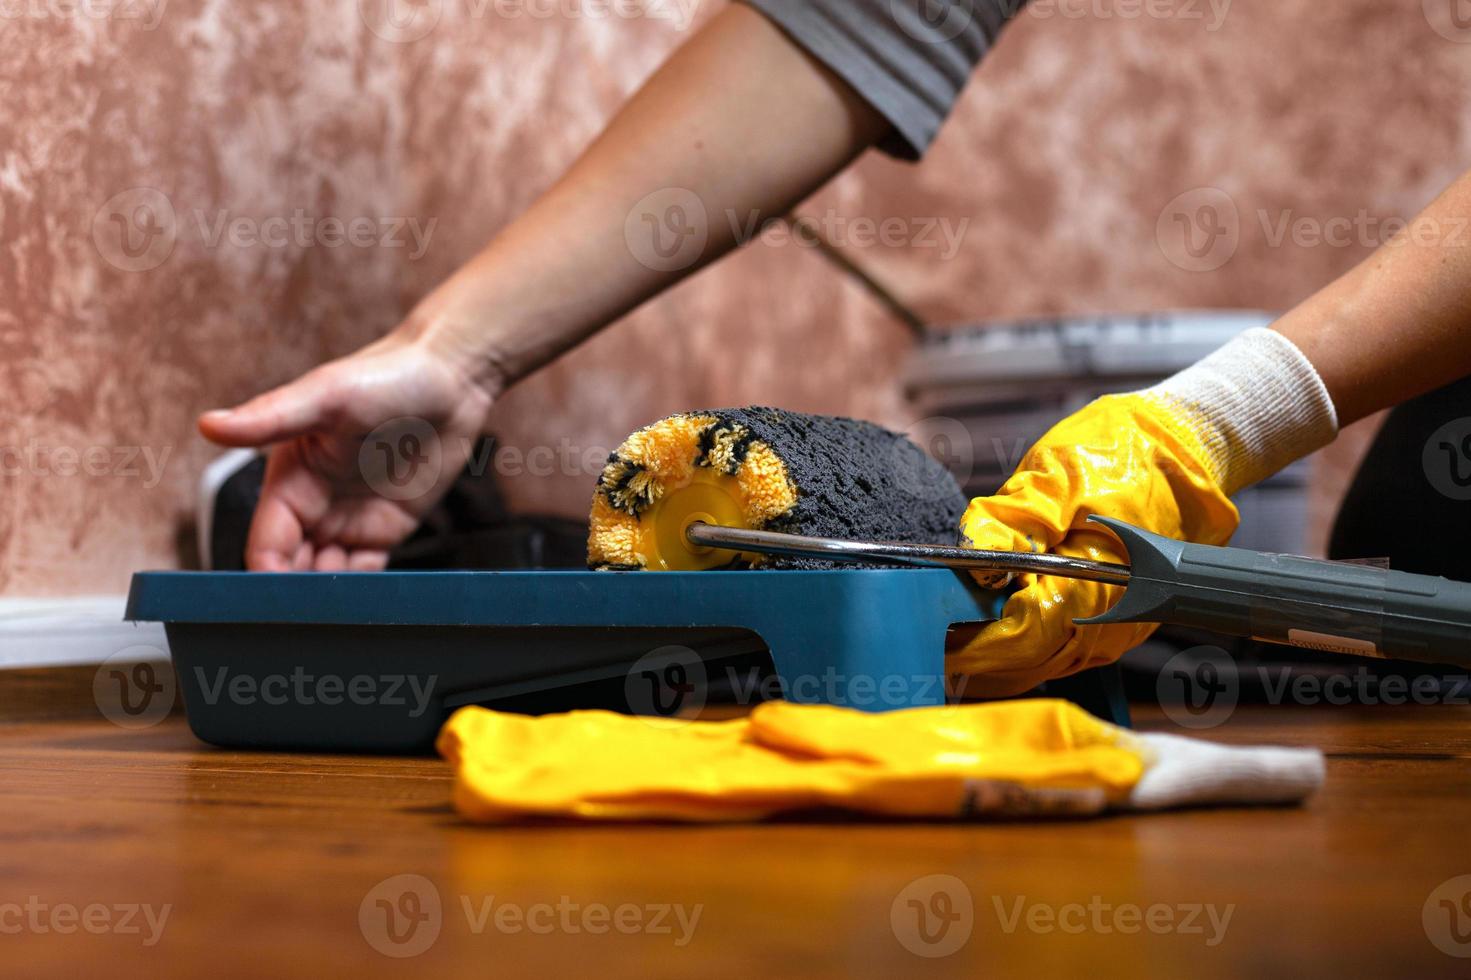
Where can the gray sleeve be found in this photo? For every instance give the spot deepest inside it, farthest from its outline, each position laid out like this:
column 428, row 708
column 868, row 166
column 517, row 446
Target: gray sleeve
column 909, row 59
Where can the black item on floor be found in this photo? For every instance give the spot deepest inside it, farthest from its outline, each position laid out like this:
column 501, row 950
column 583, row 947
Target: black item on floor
column 470, row 528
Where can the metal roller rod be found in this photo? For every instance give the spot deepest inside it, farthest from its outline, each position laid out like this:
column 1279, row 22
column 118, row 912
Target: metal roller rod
column 799, row 546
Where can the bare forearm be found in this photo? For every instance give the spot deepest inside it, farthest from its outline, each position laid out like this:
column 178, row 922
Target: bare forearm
column 739, row 117
column 1399, row 324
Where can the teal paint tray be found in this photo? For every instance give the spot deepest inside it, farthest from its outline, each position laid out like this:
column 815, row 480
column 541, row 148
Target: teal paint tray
column 375, row 662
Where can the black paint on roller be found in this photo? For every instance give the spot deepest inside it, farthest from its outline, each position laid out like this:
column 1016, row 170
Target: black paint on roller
column 855, row 480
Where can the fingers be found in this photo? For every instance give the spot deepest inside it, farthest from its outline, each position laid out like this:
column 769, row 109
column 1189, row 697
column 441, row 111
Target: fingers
column 330, row 558
column 367, row 560
column 1012, row 654
column 299, row 526
column 306, row 557
column 1027, row 514
column 292, row 502
column 277, row 539
column 281, row 414
column 336, row 558
column 1036, row 639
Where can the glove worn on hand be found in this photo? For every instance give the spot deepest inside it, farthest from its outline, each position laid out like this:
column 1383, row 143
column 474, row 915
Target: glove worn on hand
column 1167, row 460
column 1006, row 759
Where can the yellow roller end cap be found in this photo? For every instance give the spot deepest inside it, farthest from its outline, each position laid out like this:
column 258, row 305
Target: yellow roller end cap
column 710, row 497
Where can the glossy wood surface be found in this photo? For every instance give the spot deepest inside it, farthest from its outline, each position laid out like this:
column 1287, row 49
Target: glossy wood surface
column 267, row 860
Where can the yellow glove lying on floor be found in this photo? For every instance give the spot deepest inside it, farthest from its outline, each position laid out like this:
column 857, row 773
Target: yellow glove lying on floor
column 1166, row 460
column 1005, row 759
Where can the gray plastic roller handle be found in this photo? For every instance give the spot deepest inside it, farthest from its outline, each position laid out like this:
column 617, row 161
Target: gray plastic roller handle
column 1305, row 602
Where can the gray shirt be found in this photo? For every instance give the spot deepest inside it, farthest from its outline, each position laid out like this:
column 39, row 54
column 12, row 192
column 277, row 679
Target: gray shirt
column 909, row 59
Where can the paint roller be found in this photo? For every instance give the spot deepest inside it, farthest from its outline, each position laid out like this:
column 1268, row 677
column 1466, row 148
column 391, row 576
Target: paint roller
column 762, row 488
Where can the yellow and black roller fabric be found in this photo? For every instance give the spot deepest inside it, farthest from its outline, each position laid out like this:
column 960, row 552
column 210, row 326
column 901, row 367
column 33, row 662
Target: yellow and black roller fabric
column 764, row 469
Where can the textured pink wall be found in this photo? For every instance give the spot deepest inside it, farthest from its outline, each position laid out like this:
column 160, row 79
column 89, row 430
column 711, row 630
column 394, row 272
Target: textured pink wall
column 1071, row 142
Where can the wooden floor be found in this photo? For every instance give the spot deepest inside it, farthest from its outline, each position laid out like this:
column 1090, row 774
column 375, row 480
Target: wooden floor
column 264, row 863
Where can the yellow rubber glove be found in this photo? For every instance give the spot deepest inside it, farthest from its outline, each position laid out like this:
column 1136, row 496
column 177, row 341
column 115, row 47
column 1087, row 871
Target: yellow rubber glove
column 1165, row 460
column 1010, row 758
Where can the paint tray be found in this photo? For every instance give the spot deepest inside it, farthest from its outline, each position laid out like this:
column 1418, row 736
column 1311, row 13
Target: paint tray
column 375, row 662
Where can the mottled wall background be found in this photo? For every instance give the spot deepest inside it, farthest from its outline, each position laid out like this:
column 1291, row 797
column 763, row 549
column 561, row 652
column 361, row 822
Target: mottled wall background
column 170, row 171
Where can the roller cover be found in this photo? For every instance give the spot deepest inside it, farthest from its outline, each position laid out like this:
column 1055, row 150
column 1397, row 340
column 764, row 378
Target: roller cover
column 766, row 469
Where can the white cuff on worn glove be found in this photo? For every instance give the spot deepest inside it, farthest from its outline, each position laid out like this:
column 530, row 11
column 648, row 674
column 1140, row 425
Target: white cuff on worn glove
column 1191, row 772
column 1257, row 403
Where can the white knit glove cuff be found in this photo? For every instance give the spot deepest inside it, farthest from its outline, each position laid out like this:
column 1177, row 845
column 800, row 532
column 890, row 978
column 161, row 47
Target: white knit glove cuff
column 1257, row 403
column 1190, row 772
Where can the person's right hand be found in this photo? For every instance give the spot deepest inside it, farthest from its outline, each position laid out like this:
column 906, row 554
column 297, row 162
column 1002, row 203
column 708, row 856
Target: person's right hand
column 365, row 446
column 1166, row 459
